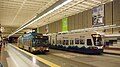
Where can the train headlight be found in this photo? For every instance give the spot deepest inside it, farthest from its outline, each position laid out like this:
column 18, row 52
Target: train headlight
column 47, row 48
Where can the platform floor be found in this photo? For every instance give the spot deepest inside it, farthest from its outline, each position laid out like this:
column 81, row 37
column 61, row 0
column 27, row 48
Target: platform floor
column 12, row 57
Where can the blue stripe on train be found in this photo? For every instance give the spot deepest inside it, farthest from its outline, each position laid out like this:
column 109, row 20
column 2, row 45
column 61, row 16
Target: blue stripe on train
column 82, row 49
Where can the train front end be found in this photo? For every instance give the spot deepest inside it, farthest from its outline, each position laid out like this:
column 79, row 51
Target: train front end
column 97, row 47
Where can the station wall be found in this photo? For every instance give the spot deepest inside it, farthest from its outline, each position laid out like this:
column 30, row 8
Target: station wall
column 109, row 16
column 84, row 19
column 116, row 15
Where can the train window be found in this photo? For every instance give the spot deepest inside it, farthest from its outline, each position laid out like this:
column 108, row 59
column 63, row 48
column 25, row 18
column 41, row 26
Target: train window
column 82, row 41
column 89, row 42
column 63, row 42
column 70, row 42
column 76, row 41
column 97, row 41
column 53, row 41
column 67, row 42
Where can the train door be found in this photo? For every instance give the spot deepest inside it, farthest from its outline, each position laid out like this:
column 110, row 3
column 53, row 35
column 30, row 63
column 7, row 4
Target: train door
column 88, row 39
column 65, row 42
column 71, row 41
column 82, row 40
column 77, row 38
column 65, row 39
column 59, row 40
column 89, row 42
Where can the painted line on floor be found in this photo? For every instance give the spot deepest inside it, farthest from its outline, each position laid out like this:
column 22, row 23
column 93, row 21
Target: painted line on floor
column 38, row 58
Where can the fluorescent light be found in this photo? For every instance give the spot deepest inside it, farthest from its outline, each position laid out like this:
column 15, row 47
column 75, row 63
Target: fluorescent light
column 59, row 6
column 92, row 4
column 97, row 1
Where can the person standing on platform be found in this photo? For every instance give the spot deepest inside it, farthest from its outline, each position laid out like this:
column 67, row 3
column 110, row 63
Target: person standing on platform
column 4, row 43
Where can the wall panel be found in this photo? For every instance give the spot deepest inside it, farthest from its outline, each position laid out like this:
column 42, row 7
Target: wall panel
column 53, row 30
column 70, row 23
column 108, row 16
column 73, row 22
column 53, row 27
column 76, row 21
column 116, row 15
column 80, row 23
column 60, row 26
column 85, row 19
column 108, row 13
column 56, row 23
column 89, row 18
column 49, row 28
column 116, row 10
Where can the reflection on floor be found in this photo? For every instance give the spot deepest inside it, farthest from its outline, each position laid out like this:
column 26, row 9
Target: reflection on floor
column 9, row 57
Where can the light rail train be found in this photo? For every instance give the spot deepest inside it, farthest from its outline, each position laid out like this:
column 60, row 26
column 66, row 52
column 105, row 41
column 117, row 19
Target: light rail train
column 85, row 42
column 33, row 42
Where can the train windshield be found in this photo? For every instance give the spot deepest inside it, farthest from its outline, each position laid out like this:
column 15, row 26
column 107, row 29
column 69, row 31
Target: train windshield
column 97, row 39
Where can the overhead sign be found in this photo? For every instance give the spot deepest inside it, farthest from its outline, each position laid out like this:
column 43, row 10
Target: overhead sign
column 64, row 24
column 98, row 16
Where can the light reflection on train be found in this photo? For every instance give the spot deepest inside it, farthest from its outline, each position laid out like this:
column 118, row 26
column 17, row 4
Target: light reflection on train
column 87, row 42
column 34, row 42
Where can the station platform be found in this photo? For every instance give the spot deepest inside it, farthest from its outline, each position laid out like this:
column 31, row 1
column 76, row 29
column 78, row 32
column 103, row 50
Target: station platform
column 112, row 50
column 11, row 56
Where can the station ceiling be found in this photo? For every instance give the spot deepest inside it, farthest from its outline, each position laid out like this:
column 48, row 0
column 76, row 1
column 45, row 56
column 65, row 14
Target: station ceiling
column 15, row 13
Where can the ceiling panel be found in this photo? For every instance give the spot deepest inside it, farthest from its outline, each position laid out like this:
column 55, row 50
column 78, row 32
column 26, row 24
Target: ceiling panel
column 14, row 13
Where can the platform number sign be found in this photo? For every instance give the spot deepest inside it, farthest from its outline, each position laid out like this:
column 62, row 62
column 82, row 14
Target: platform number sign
column 64, row 24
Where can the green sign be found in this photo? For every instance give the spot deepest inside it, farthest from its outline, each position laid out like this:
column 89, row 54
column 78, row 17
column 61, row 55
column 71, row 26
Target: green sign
column 64, row 24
